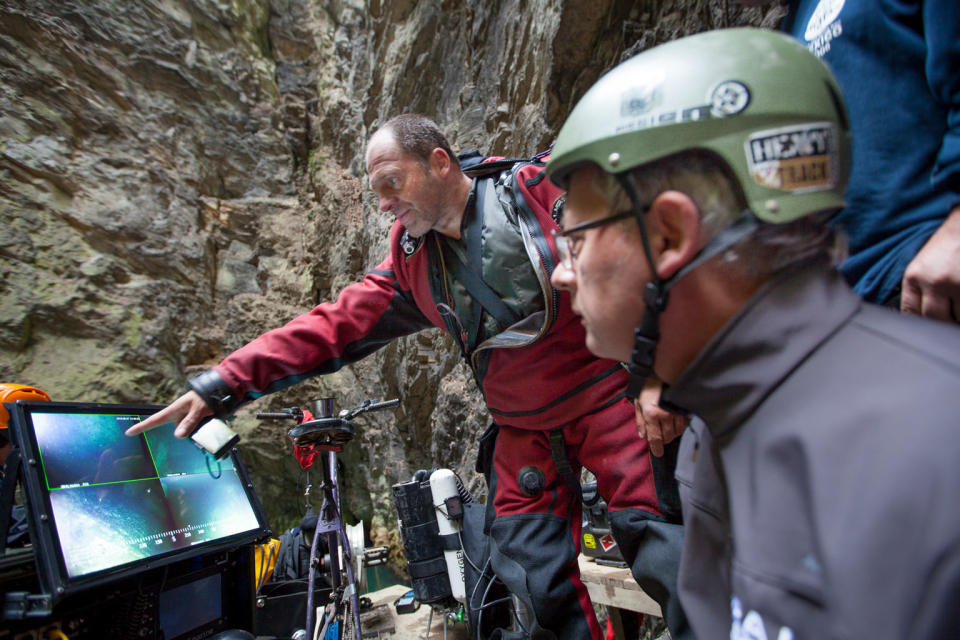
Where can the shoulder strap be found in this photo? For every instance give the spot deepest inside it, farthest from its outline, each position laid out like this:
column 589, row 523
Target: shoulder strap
column 476, row 165
column 558, row 449
column 482, row 169
column 474, row 247
column 435, row 255
column 471, row 279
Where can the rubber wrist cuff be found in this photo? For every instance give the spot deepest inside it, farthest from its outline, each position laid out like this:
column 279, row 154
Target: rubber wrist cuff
column 215, row 393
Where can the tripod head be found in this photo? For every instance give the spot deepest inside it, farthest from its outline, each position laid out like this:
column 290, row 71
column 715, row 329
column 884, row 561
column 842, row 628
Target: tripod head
column 326, row 431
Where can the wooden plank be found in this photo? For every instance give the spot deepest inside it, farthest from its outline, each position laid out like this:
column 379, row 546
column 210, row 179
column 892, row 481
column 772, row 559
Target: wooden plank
column 615, row 587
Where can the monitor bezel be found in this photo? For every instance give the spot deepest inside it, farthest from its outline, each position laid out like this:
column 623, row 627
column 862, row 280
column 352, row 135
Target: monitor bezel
column 51, row 567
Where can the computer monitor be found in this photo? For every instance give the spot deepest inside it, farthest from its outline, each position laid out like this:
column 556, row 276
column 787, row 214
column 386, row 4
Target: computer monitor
column 105, row 505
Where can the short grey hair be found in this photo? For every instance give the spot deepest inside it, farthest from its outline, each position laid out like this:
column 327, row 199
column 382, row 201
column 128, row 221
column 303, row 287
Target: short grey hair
column 713, row 188
column 417, row 136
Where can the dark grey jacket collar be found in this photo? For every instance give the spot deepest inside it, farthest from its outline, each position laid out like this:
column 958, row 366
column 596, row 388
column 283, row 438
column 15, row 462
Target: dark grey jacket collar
column 787, row 319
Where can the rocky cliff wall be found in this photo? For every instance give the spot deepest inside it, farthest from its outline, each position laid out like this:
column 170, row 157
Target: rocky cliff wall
column 177, row 176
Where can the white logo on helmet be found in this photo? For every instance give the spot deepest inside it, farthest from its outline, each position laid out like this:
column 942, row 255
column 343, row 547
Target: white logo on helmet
column 638, row 105
column 641, row 98
column 728, row 99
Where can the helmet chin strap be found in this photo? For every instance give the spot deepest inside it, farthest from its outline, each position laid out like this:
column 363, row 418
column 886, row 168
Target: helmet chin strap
column 645, row 338
column 656, row 293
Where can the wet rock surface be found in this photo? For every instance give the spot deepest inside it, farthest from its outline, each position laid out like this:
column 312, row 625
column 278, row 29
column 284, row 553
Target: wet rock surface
column 178, row 176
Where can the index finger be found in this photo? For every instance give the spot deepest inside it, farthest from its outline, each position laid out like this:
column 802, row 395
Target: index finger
column 168, row 414
column 187, row 405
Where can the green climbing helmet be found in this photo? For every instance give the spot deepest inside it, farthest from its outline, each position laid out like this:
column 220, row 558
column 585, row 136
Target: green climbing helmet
column 758, row 99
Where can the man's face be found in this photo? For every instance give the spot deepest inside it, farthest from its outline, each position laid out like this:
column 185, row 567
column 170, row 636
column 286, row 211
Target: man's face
column 609, row 270
column 408, row 190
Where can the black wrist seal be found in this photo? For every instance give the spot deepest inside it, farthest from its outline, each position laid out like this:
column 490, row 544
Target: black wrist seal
column 215, row 393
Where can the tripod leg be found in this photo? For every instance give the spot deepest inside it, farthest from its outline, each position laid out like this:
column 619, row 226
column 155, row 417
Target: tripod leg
column 311, row 580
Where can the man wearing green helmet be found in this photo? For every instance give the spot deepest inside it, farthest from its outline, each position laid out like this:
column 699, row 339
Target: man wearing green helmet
column 816, row 496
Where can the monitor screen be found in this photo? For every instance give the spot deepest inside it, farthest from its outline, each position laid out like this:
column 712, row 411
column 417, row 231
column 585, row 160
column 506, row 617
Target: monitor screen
column 114, row 501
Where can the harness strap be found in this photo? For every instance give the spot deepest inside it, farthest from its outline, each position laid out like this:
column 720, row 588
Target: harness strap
column 559, row 450
column 427, row 568
column 450, row 541
column 469, row 278
column 438, row 286
column 474, row 248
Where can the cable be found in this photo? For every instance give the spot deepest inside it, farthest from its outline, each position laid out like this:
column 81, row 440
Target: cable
column 465, row 495
column 207, row 457
column 266, row 556
column 477, row 585
column 464, row 549
column 483, row 599
column 260, row 575
column 486, row 605
column 493, row 602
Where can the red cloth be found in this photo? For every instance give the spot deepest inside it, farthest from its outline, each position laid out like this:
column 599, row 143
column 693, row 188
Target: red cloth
column 606, row 443
column 306, row 456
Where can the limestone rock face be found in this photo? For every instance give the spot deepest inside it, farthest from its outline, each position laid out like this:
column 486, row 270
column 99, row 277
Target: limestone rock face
column 178, row 176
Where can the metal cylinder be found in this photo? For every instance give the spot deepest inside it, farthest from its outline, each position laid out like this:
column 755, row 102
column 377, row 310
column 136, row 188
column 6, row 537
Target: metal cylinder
column 323, row 408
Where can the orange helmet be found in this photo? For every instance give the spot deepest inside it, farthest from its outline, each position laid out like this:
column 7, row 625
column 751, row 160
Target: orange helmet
column 10, row 392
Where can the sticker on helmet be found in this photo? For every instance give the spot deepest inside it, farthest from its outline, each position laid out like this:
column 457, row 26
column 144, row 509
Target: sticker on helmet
column 729, row 98
column 637, row 104
column 641, row 98
column 796, row 158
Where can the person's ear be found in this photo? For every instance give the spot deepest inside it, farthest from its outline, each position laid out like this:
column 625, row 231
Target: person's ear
column 674, row 226
column 440, row 162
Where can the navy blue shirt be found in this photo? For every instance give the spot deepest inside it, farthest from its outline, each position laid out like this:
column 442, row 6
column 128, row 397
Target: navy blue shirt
column 898, row 63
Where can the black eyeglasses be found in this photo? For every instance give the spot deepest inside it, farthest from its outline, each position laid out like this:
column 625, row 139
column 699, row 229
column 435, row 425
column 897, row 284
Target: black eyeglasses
column 568, row 246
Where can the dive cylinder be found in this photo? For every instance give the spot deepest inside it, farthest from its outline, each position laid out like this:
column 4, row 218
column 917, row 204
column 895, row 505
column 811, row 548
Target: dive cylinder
column 449, row 510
